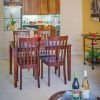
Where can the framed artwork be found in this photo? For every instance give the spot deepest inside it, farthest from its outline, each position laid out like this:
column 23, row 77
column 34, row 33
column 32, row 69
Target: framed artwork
column 95, row 10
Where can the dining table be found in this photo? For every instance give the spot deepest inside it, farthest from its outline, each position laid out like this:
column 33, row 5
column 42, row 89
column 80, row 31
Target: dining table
column 13, row 48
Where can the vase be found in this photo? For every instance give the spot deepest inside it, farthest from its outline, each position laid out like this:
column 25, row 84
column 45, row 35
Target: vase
column 12, row 27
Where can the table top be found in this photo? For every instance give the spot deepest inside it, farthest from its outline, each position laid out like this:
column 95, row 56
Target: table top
column 92, row 37
column 62, row 94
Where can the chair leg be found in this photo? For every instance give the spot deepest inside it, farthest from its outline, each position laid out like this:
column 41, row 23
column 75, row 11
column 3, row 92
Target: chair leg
column 59, row 71
column 64, row 73
column 20, row 78
column 41, row 70
column 38, row 79
column 10, row 60
column 36, row 76
column 33, row 71
column 48, row 75
column 55, row 69
column 39, row 66
column 17, row 73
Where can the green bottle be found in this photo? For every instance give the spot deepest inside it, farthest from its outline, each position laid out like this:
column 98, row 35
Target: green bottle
column 75, row 88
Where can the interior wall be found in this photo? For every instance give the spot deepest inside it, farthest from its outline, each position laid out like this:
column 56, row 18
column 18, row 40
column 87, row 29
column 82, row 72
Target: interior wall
column 88, row 24
column 71, row 25
column 5, row 36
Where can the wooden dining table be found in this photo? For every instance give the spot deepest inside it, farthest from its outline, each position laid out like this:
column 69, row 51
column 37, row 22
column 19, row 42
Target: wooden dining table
column 12, row 49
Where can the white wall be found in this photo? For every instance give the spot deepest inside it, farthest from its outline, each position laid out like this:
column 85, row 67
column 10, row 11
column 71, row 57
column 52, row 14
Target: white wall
column 71, row 25
column 5, row 36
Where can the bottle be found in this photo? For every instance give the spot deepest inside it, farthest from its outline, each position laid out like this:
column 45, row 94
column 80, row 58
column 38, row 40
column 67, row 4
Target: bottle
column 85, row 86
column 75, row 88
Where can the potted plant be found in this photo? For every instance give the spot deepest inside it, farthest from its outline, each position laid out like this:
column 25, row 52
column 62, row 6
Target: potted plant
column 93, row 54
column 12, row 23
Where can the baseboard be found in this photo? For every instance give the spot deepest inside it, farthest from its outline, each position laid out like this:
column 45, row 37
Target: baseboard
column 4, row 58
column 76, row 53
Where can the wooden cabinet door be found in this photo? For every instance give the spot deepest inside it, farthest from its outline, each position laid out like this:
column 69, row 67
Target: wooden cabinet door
column 58, row 6
column 35, row 7
column 30, row 7
column 53, row 6
column 43, row 6
column 25, row 7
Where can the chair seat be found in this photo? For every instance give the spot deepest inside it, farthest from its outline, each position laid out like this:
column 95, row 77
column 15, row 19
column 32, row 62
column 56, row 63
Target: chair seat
column 52, row 60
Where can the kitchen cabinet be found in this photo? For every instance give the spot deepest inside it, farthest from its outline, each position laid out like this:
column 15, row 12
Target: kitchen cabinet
column 58, row 6
column 53, row 6
column 25, row 7
column 41, row 7
column 30, row 7
column 17, row 2
column 35, row 7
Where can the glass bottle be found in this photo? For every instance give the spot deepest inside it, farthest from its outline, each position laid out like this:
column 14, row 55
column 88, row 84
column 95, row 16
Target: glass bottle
column 85, row 86
column 75, row 88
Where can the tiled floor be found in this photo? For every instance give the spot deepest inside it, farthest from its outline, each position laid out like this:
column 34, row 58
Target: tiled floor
column 30, row 90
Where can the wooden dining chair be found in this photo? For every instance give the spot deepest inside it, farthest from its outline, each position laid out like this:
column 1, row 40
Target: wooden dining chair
column 16, row 35
column 20, row 34
column 56, row 55
column 27, row 56
column 43, row 34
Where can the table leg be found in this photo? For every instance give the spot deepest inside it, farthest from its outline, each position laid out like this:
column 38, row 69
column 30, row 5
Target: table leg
column 15, row 70
column 10, row 60
column 84, row 49
column 69, row 62
column 92, row 56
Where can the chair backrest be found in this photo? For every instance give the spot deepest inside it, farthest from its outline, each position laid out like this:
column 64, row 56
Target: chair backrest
column 56, row 48
column 43, row 33
column 28, row 52
column 20, row 34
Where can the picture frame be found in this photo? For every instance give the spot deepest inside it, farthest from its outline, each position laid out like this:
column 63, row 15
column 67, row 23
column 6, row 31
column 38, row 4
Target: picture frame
column 95, row 10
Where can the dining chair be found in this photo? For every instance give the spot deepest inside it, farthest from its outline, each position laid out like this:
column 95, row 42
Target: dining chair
column 56, row 55
column 16, row 35
column 43, row 34
column 26, row 56
column 20, row 34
